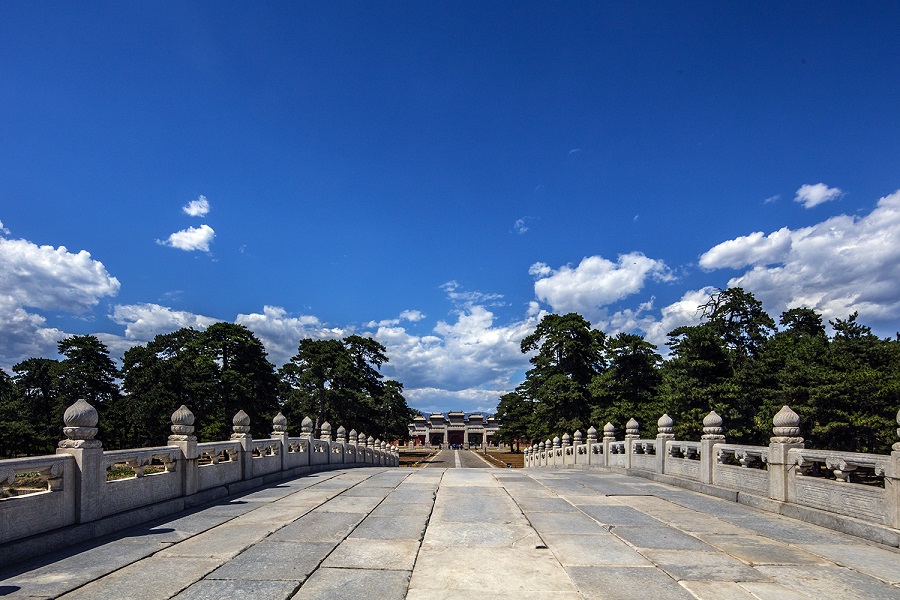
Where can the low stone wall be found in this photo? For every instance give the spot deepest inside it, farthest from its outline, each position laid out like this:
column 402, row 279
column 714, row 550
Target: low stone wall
column 851, row 492
column 80, row 502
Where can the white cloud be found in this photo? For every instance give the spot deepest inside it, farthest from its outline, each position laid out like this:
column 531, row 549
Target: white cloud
column 197, row 208
column 412, row 316
column 519, row 226
column 596, row 282
column 3, row 229
column 756, row 248
column 281, row 333
column 145, row 321
column 452, row 288
column 192, row 238
column 772, row 199
column 838, row 266
column 656, row 329
column 814, row 195
column 44, row 278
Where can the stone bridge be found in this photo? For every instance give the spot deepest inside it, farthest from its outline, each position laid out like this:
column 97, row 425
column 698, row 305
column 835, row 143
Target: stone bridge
column 301, row 517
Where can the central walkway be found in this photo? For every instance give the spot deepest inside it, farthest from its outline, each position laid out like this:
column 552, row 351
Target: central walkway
column 480, row 534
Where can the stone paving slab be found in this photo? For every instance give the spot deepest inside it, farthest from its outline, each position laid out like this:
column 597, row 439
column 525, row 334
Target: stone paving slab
column 257, row 590
column 865, row 558
column 90, row 563
column 358, row 553
column 391, row 528
column 662, row 537
column 595, row 550
column 831, row 582
column 480, row 569
column 517, row 534
column 271, row 561
column 702, row 566
column 758, row 550
column 149, row 579
column 626, row 583
column 225, row 541
column 349, row 584
column 319, row 526
column 722, row 590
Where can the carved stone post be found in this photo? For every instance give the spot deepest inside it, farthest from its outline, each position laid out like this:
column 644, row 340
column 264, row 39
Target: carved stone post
column 592, row 439
column 542, row 456
column 325, row 432
column 609, row 436
column 578, row 440
column 566, row 442
column 342, row 440
column 90, row 474
column 280, row 433
column 241, row 428
column 306, row 428
column 352, row 440
column 892, row 483
column 183, row 437
column 664, row 433
column 632, row 433
column 786, row 430
column 712, row 435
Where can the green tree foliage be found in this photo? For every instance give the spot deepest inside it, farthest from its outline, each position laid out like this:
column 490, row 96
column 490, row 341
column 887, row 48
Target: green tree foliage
column 629, row 386
column 171, row 370
column 38, row 408
column 568, row 355
column 244, row 380
column 87, row 372
column 515, row 414
column 338, row 381
column 17, row 433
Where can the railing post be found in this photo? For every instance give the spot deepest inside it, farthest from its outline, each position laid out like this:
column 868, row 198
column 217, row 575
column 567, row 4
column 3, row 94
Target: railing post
column 892, row 484
column 90, row 470
column 577, row 440
column 609, row 436
column 591, row 440
column 280, row 433
column 712, row 435
column 183, row 437
column 352, row 440
column 566, row 442
column 342, row 440
column 632, row 433
column 241, row 428
column 786, row 427
column 664, row 433
column 325, row 436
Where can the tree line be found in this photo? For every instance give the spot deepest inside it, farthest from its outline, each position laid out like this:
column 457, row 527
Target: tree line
column 737, row 362
column 215, row 372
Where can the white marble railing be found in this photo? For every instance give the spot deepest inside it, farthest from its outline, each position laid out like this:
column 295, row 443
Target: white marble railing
column 864, row 487
column 81, row 490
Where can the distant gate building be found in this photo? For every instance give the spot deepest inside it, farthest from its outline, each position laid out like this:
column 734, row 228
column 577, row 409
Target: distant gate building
column 439, row 431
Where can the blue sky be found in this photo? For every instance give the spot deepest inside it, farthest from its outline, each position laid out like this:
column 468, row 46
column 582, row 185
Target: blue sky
column 439, row 175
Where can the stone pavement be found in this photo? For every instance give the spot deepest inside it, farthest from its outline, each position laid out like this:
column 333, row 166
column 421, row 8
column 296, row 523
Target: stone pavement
column 467, row 533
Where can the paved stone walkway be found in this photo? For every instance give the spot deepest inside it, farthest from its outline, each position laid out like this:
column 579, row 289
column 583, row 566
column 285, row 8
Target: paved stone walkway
column 465, row 534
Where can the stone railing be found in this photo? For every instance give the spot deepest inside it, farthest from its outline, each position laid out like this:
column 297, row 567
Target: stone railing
column 852, row 492
column 79, row 500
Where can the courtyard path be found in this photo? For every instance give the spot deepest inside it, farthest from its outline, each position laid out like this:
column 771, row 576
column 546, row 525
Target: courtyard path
column 467, row 534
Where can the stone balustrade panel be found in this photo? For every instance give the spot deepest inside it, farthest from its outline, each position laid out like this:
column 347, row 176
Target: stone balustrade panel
column 840, row 495
column 127, row 493
column 29, row 514
column 219, row 464
column 683, row 459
